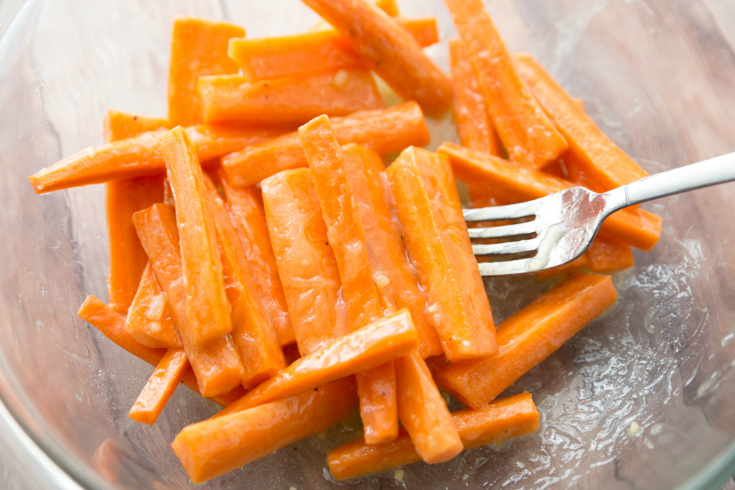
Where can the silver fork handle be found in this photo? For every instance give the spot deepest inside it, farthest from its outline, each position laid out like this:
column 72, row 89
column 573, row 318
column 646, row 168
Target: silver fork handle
column 714, row 171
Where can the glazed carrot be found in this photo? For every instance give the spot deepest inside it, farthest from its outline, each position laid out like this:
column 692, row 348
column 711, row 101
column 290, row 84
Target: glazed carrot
column 358, row 351
column 143, row 155
column 248, row 216
column 198, row 48
column 527, row 133
column 385, row 131
column 291, row 99
column 252, row 332
column 438, row 245
column 347, row 239
column 215, row 446
column 393, row 275
column 217, row 365
column 306, row 263
column 390, row 7
column 603, row 162
column 423, row 412
column 389, row 50
column 120, row 125
column 529, row 337
column 518, row 183
column 607, row 256
column 494, row 423
column 579, row 264
column 149, row 319
column 310, row 52
column 160, row 386
column 207, row 309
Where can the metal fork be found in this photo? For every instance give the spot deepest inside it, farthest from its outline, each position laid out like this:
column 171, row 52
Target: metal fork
column 565, row 223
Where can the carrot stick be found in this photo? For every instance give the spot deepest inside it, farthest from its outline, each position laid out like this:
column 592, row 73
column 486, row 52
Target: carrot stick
column 198, row 48
column 217, row 365
column 160, row 386
column 306, row 263
column 529, row 337
column 291, row 99
column 393, row 275
column 256, row 432
column 207, row 309
column 527, row 133
column 252, row 332
column 390, row 7
column 607, row 256
column 438, row 245
column 248, row 217
column 142, row 155
column 121, row 125
column 389, row 50
column 385, row 131
column 579, row 264
column 517, row 183
column 495, row 423
column 149, row 319
column 358, row 351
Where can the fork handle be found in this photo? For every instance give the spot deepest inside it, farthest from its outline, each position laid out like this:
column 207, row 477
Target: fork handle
column 714, row 171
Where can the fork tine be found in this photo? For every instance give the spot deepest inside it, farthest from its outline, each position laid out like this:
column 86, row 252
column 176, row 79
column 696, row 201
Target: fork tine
column 518, row 247
column 504, row 231
column 511, row 211
column 507, row 268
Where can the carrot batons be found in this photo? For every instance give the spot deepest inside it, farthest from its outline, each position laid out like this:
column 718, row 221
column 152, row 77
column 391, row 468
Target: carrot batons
column 119, row 125
column 198, row 48
column 518, row 183
column 306, row 263
column 389, row 50
column 385, row 131
column 215, row 446
column 207, row 309
column 529, row 337
column 149, row 319
column 438, row 245
column 607, row 256
column 160, row 386
column 295, row 99
column 527, row 133
column 494, row 423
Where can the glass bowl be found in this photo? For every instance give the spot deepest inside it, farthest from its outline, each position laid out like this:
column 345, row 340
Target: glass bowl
column 656, row 75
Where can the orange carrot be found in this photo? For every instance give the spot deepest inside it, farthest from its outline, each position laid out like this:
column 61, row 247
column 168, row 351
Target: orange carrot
column 394, row 277
column 495, row 423
column 217, row 365
column 527, row 133
column 160, row 386
column 385, row 131
column 252, row 332
column 149, row 319
column 607, row 256
column 306, row 263
column 424, row 30
column 294, row 99
column 143, row 155
column 423, row 412
column 529, row 337
column 438, row 245
column 207, row 309
column 248, row 217
column 389, row 50
column 198, row 48
column 358, row 351
column 257, row 432
column 390, row 7
column 579, row 264
column 120, row 125
column 518, row 183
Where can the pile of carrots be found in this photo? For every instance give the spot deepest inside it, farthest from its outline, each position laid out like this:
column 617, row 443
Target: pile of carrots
column 262, row 254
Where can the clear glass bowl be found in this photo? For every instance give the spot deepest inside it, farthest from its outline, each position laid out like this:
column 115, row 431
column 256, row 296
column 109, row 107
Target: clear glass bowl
column 657, row 75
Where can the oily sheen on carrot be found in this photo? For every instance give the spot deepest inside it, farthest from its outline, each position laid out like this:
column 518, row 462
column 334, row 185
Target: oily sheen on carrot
column 215, row 446
column 527, row 133
column 385, row 131
column 394, row 277
column 248, row 217
column 518, row 183
column 607, row 256
column 198, row 48
column 207, row 309
column 529, row 337
column 306, row 263
column 358, row 351
column 389, row 50
column 495, row 423
column 290, row 99
column 160, row 386
column 149, row 319
column 438, row 245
